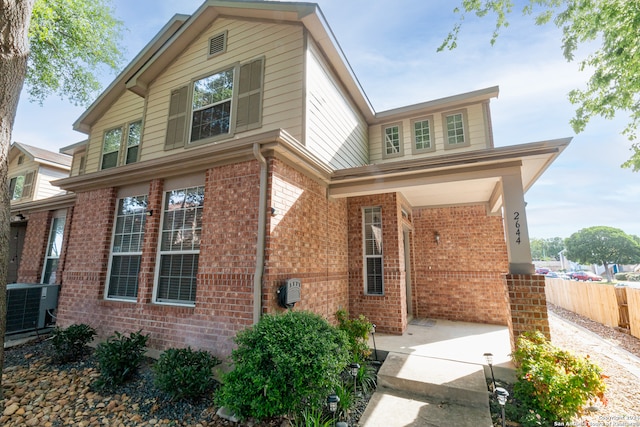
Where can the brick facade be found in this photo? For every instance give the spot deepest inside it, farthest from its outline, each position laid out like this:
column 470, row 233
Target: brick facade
column 309, row 236
column 225, row 271
column 459, row 278
column 307, row 239
column 35, row 247
column 388, row 311
column 528, row 304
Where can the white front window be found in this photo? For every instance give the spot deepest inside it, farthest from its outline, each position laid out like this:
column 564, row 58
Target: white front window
column 179, row 246
column 126, row 248
column 54, row 249
column 372, row 240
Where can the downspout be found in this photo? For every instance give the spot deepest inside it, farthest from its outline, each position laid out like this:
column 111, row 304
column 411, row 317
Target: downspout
column 260, row 245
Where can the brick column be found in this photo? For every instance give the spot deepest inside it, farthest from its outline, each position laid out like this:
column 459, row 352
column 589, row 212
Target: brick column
column 528, row 304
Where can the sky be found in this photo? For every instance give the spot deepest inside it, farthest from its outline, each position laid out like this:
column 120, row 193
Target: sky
column 392, row 49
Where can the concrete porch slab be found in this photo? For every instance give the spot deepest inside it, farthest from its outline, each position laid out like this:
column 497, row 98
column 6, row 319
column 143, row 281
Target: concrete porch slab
column 456, row 341
column 391, row 409
column 435, row 379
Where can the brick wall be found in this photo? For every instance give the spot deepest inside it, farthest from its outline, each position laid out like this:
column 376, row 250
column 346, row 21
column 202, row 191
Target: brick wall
column 528, row 304
column 461, row 277
column 225, row 271
column 387, row 311
column 86, row 259
column 307, row 240
column 35, row 247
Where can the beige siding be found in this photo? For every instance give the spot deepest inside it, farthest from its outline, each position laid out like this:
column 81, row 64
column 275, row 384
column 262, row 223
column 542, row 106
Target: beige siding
column 75, row 164
column 27, row 165
column 477, row 131
column 127, row 109
column 16, row 170
column 335, row 131
column 44, row 188
column 282, row 47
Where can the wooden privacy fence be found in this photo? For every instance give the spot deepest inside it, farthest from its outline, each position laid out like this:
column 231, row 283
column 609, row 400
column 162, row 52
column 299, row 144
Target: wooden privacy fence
column 606, row 304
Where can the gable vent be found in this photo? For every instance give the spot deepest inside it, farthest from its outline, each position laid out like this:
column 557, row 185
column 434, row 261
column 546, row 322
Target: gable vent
column 218, row 44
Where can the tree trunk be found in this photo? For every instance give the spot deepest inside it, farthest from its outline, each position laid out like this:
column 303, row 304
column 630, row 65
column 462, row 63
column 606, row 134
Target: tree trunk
column 14, row 50
column 607, row 272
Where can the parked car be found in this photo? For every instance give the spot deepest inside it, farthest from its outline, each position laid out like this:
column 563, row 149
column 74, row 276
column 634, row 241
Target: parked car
column 542, row 270
column 552, row 275
column 585, row 276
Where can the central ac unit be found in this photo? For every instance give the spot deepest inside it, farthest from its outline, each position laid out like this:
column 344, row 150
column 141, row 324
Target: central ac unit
column 30, row 306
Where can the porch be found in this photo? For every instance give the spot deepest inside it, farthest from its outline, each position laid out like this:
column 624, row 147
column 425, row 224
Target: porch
column 435, row 374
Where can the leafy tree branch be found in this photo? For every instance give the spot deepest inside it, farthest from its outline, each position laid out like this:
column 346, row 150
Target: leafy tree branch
column 614, row 84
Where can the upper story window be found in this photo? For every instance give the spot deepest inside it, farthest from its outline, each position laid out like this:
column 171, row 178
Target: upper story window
column 133, row 142
column 113, row 144
column 111, row 148
column 216, row 106
column 423, row 140
column 21, row 186
column 392, row 140
column 212, row 105
column 455, row 129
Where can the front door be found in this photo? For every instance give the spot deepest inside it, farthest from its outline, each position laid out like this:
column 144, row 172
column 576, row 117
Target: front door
column 16, row 242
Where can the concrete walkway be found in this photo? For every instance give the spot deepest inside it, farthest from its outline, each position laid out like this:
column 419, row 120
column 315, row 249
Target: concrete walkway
column 435, row 375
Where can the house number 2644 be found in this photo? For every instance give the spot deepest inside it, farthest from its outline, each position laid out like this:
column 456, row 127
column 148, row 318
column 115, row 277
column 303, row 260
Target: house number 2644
column 516, row 219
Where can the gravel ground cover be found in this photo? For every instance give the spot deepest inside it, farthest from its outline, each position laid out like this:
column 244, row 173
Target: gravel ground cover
column 38, row 393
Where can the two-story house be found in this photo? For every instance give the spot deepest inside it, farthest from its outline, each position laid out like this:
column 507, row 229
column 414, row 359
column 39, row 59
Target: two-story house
column 238, row 151
column 31, row 170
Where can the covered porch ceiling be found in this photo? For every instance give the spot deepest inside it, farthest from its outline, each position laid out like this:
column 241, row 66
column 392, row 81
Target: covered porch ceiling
column 452, row 179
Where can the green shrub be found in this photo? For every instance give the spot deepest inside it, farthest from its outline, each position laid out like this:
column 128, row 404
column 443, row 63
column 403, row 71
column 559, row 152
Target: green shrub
column 312, row 418
column 284, row 364
column 367, row 378
column 346, row 395
column 357, row 330
column 119, row 358
column 554, row 384
column 70, row 344
column 183, row 373
column 628, row 277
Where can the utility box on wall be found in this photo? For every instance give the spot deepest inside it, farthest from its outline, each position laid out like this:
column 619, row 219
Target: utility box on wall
column 289, row 293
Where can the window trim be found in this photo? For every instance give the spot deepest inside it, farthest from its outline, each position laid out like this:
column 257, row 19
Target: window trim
column 119, row 151
column 125, row 143
column 432, row 139
column 232, row 111
column 13, row 182
column 383, row 134
column 121, row 159
column 111, row 253
column 465, row 129
column 27, row 189
column 181, row 184
column 365, row 257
